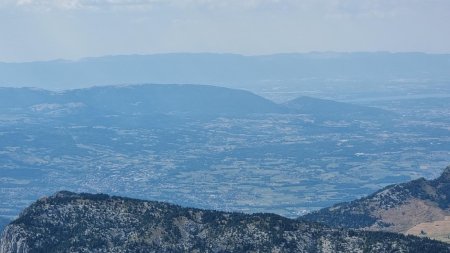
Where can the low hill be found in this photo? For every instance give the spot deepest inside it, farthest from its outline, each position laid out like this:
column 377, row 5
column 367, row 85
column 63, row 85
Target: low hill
column 70, row 222
column 323, row 109
column 140, row 99
column 19, row 98
column 409, row 208
column 173, row 99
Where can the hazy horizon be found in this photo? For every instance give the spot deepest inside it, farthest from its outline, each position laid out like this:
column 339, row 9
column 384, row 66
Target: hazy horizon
column 222, row 53
column 36, row 30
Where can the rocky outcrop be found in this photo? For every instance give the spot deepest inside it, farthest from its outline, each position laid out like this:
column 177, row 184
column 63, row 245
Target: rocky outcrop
column 14, row 240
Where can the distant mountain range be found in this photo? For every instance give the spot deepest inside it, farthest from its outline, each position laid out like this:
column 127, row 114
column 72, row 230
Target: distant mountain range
column 419, row 207
column 70, row 222
column 225, row 69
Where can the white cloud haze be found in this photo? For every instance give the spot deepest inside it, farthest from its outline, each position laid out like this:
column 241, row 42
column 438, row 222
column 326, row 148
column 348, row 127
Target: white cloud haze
column 97, row 4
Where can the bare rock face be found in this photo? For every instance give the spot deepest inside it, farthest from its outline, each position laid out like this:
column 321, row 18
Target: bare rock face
column 70, row 222
column 396, row 208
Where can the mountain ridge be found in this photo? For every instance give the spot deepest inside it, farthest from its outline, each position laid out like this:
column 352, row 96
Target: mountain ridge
column 83, row 222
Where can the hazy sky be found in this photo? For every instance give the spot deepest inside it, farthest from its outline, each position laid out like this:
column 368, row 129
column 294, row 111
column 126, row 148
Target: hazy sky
column 49, row 29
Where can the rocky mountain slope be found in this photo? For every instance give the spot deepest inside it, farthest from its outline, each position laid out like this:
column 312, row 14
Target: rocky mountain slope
column 70, row 222
column 420, row 207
